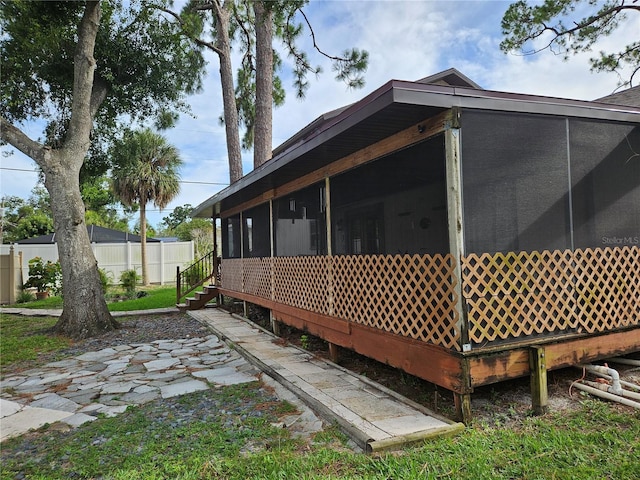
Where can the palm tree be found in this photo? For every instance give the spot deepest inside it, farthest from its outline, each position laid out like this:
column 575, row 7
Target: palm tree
column 145, row 170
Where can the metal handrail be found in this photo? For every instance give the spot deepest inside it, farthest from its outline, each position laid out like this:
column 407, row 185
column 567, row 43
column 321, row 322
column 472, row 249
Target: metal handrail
column 194, row 275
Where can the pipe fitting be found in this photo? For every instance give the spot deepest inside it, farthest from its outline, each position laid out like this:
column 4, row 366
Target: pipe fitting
column 616, row 387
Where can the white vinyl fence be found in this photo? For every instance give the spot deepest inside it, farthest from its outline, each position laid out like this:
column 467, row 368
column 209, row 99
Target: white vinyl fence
column 114, row 258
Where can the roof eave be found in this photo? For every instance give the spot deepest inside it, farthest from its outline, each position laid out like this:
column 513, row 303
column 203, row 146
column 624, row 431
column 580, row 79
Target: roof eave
column 411, row 93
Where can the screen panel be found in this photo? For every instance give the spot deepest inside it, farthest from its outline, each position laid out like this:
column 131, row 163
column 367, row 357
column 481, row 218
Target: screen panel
column 605, row 177
column 515, row 182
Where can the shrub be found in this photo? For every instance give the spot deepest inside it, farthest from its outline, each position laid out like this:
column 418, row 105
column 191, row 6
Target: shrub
column 129, row 279
column 44, row 276
column 25, row 297
column 105, row 279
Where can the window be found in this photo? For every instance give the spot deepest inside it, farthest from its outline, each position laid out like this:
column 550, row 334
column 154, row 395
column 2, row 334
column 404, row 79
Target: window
column 257, row 235
column 231, row 234
column 605, row 180
column 300, row 223
column 394, row 205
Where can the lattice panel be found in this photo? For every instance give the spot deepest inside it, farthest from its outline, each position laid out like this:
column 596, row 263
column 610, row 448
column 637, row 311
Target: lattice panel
column 407, row 295
column 517, row 295
column 302, row 282
column 608, row 288
column 257, row 276
column 232, row 274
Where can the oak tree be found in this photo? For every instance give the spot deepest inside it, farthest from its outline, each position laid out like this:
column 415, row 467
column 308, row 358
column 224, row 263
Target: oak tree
column 83, row 68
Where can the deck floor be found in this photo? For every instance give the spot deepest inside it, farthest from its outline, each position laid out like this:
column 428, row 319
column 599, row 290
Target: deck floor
column 374, row 416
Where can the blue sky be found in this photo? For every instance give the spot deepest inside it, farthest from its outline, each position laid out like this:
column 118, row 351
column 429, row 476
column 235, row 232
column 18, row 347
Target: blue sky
column 406, row 40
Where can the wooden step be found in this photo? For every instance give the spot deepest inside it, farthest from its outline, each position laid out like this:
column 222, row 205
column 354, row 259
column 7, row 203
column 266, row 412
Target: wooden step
column 200, row 299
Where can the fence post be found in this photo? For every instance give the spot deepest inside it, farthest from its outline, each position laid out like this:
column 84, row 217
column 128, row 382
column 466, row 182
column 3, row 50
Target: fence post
column 12, row 276
column 162, row 263
column 128, row 249
column 177, row 284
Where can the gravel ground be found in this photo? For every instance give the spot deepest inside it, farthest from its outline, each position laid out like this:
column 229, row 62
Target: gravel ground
column 141, row 329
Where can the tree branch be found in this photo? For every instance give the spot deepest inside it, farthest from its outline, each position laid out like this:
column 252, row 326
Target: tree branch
column 199, row 41
column 315, row 45
column 18, row 139
column 81, row 121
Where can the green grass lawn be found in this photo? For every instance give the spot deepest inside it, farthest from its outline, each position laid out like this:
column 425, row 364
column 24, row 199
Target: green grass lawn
column 596, row 440
column 593, row 442
column 157, row 297
column 24, row 338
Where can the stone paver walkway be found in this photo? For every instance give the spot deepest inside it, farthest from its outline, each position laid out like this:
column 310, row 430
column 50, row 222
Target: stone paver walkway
column 107, row 381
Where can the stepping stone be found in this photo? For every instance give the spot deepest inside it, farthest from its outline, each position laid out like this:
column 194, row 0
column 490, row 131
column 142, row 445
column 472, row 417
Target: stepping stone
column 11, row 382
column 119, row 387
column 56, row 402
column 112, row 411
column 140, row 398
column 113, row 368
column 55, row 378
column 182, row 388
column 104, row 354
column 145, row 389
column 181, row 352
column 72, row 362
column 29, row 418
column 224, row 376
column 78, row 419
column 161, row 364
column 7, row 407
column 92, row 408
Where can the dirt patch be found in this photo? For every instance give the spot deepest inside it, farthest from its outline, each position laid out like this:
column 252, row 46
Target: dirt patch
column 498, row 404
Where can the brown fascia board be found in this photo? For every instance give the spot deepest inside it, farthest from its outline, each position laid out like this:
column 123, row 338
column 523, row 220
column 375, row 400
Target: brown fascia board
column 397, row 91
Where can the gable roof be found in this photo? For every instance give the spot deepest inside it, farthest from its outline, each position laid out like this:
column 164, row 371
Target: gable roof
column 630, row 96
column 450, row 77
column 96, row 235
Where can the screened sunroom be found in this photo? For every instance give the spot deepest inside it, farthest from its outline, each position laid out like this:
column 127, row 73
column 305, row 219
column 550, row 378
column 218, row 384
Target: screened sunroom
column 445, row 230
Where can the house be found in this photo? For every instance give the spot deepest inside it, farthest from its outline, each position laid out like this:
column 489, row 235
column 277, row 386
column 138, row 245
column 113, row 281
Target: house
column 463, row 235
column 96, row 235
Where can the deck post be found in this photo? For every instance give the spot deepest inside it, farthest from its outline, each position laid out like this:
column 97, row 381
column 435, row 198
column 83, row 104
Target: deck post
column 455, row 218
column 334, row 352
column 462, row 402
column 215, row 252
column 275, row 324
column 539, row 392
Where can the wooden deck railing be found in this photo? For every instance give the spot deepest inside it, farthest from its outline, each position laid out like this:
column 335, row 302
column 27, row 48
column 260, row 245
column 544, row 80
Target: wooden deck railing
column 508, row 298
column 409, row 295
column 194, row 275
column 521, row 295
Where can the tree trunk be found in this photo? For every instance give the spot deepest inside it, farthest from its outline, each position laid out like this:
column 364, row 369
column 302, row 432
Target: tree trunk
column 263, row 130
column 85, row 312
column 143, row 240
column 232, row 130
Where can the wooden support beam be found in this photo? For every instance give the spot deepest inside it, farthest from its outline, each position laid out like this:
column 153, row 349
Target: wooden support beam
column 462, row 403
column 275, row 324
column 539, row 392
column 455, row 220
column 334, row 352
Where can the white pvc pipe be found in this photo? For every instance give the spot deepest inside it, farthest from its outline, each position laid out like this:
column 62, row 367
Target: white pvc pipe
column 615, row 377
column 606, row 395
column 607, row 388
column 625, row 361
column 624, row 383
